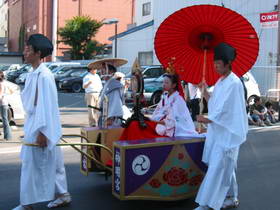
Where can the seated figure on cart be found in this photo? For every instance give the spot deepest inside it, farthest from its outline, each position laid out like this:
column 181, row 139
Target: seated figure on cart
column 171, row 114
column 171, row 117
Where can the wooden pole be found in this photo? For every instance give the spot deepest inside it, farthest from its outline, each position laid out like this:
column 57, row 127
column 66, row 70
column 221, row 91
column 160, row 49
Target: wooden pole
column 201, row 107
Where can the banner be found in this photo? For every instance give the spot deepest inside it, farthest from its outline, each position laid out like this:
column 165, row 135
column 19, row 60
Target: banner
column 269, row 20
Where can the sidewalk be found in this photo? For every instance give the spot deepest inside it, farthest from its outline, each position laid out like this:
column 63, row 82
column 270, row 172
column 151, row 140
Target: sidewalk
column 72, row 120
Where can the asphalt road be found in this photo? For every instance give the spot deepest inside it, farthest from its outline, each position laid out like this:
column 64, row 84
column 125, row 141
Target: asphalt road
column 258, row 171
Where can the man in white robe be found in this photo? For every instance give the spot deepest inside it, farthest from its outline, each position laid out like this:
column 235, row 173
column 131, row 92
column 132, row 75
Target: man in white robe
column 42, row 174
column 227, row 129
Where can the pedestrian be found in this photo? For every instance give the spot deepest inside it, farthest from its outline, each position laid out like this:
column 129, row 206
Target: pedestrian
column 4, row 108
column 93, row 86
column 194, row 97
column 43, row 176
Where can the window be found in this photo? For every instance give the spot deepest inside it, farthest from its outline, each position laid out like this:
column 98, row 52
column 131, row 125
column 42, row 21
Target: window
column 153, row 72
column 145, row 58
column 157, row 72
column 146, row 9
column 78, row 73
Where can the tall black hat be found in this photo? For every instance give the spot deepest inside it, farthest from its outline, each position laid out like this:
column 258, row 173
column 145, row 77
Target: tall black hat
column 41, row 43
column 224, row 52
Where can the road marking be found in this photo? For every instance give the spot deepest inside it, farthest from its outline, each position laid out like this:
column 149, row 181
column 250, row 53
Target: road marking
column 70, row 105
column 11, row 150
column 265, row 128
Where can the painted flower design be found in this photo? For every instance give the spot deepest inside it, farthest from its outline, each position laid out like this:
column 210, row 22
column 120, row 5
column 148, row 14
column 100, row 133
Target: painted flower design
column 155, row 183
column 196, row 180
column 175, row 176
column 180, row 156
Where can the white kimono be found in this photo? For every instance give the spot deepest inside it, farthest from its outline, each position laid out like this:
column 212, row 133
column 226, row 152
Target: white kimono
column 174, row 112
column 43, row 172
column 228, row 130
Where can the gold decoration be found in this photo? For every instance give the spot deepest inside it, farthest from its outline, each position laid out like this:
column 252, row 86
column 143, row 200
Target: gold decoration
column 136, row 68
column 170, row 68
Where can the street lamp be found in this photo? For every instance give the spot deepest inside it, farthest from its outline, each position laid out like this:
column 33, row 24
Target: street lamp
column 110, row 22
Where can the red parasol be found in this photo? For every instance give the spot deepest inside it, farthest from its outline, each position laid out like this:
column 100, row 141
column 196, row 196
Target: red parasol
column 189, row 35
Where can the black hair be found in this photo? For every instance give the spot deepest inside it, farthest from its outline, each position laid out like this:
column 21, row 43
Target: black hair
column 174, row 79
column 225, row 62
column 111, row 68
column 35, row 49
column 2, row 76
column 257, row 98
column 268, row 104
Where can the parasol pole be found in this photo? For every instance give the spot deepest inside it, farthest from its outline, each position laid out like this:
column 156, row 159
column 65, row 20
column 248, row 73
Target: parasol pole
column 201, row 106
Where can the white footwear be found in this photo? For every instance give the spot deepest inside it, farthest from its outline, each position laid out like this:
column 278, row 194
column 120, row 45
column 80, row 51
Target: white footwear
column 230, row 202
column 61, row 201
column 20, row 207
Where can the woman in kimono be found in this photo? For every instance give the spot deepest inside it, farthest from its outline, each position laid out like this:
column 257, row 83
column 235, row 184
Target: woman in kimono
column 171, row 114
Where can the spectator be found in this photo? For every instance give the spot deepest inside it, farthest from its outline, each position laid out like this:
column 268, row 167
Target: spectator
column 195, row 97
column 270, row 112
column 258, row 113
column 4, row 108
column 93, row 86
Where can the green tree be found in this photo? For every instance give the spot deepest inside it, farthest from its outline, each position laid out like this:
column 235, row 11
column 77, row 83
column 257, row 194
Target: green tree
column 78, row 33
column 21, row 38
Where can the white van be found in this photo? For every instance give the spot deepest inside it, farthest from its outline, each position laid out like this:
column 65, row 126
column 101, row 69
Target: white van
column 16, row 111
column 252, row 87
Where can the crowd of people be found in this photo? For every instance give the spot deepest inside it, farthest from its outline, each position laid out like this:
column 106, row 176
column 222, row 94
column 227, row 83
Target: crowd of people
column 260, row 114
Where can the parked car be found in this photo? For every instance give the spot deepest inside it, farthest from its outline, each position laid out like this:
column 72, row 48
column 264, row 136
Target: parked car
column 252, row 87
column 69, row 72
column 73, row 83
column 153, row 89
column 16, row 111
column 52, row 66
column 21, row 79
column 13, row 67
column 150, row 73
column 12, row 76
column 4, row 67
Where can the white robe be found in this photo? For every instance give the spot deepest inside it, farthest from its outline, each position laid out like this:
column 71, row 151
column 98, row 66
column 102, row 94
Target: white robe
column 228, row 130
column 43, row 172
column 174, row 112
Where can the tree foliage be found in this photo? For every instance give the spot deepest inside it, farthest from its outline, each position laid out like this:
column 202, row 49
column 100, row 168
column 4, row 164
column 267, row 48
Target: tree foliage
column 79, row 33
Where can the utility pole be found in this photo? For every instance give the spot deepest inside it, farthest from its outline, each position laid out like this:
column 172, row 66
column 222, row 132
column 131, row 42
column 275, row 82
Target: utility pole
column 278, row 49
column 278, row 43
column 54, row 29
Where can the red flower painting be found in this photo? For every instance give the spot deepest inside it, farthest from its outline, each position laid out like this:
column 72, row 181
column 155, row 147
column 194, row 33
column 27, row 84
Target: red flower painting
column 196, row 180
column 155, row 183
column 180, row 156
column 176, row 176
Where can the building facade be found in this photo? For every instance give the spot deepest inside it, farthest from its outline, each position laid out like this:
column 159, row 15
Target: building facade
column 47, row 16
column 3, row 25
column 133, row 43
